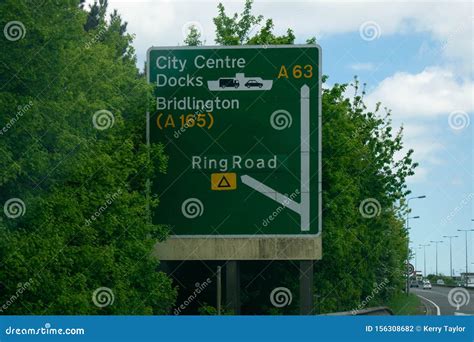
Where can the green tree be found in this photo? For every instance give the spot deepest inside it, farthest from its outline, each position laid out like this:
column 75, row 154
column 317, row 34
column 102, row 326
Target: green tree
column 194, row 37
column 96, row 15
column 72, row 151
column 238, row 29
column 235, row 30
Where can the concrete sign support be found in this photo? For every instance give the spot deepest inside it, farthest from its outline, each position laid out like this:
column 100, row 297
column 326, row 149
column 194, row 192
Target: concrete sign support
column 232, row 275
column 306, row 287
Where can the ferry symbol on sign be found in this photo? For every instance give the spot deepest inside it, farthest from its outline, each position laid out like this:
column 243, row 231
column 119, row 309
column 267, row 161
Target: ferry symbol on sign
column 239, row 82
column 223, row 181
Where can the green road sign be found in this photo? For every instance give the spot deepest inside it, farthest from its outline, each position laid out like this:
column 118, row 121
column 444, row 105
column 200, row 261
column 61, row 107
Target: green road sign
column 242, row 128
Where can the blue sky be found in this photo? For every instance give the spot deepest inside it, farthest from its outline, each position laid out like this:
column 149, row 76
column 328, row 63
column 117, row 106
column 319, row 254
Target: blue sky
column 416, row 58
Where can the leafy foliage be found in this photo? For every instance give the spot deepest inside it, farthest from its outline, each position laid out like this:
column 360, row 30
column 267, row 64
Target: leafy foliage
column 194, row 37
column 86, row 222
column 359, row 163
column 237, row 30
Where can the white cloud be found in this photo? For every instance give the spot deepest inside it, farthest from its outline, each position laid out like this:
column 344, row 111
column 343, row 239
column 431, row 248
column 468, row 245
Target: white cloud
column 421, row 138
column 420, row 175
column 362, row 66
column 159, row 22
column 417, row 100
column 434, row 91
column 448, row 22
column 427, row 149
column 457, row 181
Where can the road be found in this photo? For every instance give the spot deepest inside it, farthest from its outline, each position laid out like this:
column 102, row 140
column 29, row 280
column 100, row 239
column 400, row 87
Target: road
column 438, row 303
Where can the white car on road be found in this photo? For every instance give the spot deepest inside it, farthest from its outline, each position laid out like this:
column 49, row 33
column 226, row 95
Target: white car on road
column 426, row 285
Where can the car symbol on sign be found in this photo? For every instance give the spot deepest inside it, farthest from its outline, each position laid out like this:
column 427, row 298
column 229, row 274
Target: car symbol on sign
column 253, row 84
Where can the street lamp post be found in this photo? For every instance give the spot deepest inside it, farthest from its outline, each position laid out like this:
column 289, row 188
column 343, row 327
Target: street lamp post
column 416, row 258
column 465, row 233
column 408, row 240
column 450, row 237
column 436, row 243
column 424, row 259
column 408, row 255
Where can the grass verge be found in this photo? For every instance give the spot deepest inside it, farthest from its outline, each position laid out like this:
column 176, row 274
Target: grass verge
column 402, row 304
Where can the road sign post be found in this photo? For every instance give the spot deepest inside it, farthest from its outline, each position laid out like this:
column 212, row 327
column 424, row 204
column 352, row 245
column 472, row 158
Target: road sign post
column 242, row 127
column 233, row 286
column 306, row 287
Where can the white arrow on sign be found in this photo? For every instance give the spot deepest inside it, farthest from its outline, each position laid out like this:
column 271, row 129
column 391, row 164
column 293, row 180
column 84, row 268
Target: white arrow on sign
column 300, row 208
